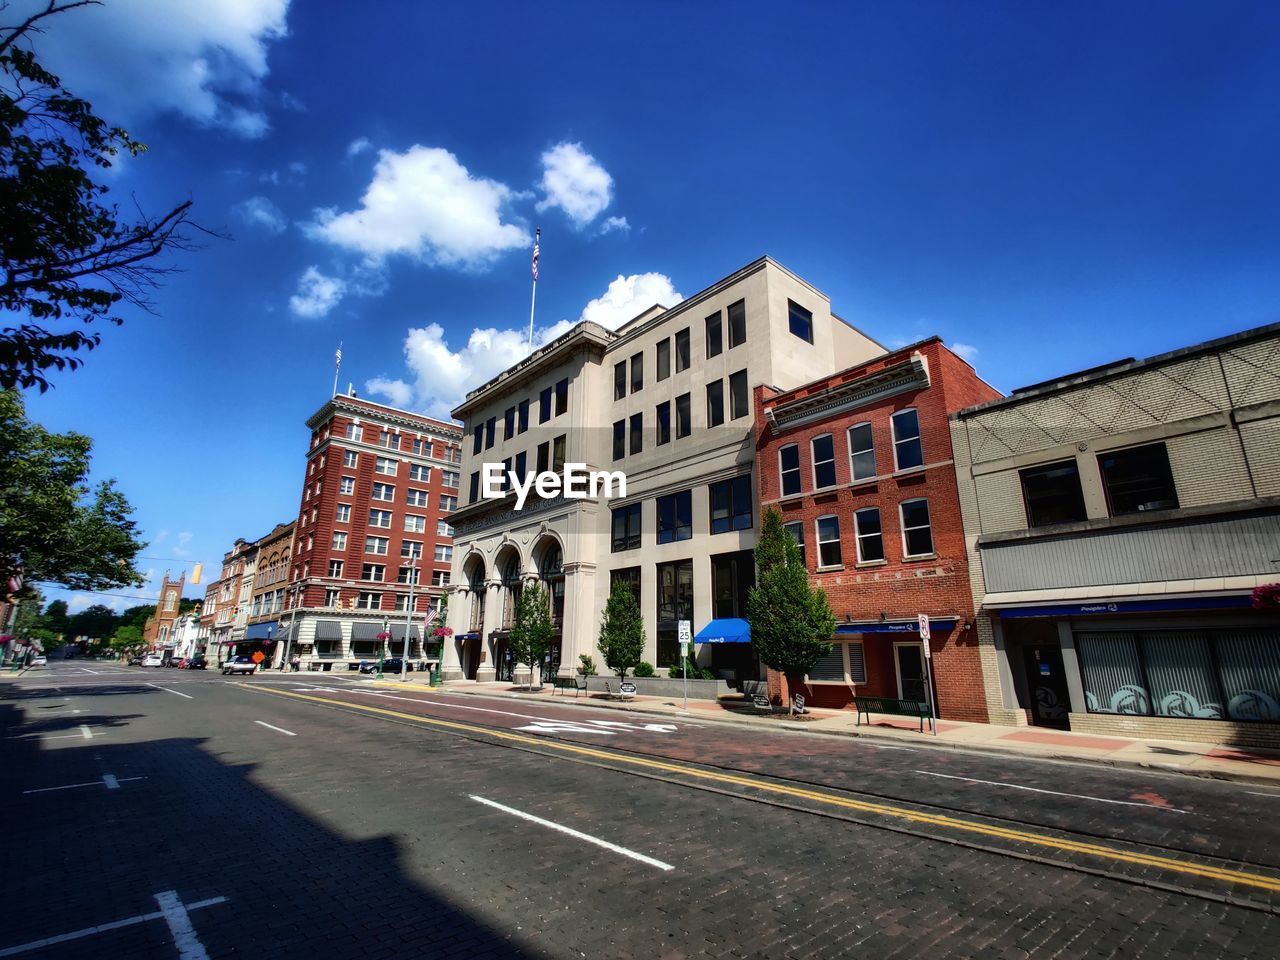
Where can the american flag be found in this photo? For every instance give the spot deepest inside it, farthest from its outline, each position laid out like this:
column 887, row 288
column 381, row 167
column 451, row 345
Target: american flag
column 536, row 237
column 430, row 618
column 337, row 357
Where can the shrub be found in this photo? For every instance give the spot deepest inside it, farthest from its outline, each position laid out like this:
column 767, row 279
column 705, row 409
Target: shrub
column 587, row 666
column 643, row 669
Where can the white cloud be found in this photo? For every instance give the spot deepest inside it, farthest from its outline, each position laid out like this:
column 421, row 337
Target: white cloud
column 261, row 212
column 424, row 204
column 136, row 58
column 573, row 181
column 358, row 146
column 180, row 544
column 965, row 350
column 317, row 294
column 614, row 223
column 440, row 376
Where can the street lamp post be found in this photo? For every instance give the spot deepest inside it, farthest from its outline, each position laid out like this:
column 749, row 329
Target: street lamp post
column 382, row 642
column 294, row 591
column 408, row 621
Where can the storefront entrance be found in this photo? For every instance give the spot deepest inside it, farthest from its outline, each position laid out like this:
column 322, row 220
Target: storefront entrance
column 1047, row 685
column 908, row 659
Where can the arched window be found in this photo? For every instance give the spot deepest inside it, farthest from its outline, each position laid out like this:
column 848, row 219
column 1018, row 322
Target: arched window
column 551, row 571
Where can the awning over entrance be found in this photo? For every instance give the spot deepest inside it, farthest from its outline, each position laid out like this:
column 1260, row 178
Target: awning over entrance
column 1095, row 607
column 365, row 631
column 328, row 630
column 260, row 631
column 936, row 625
column 729, row 630
column 397, row 632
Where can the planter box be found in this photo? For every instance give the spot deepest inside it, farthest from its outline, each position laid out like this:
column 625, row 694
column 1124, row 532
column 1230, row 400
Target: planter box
column 665, row 687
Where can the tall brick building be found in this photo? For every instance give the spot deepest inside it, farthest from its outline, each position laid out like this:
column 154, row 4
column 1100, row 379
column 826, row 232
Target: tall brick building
column 156, row 631
column 379, row 487
column 859, row 464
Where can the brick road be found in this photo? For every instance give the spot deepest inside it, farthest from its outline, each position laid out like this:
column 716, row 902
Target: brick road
column 358, row 838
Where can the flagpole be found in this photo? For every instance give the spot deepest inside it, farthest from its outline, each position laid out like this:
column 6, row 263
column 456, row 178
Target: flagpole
column 537, row 237
column 337, row 367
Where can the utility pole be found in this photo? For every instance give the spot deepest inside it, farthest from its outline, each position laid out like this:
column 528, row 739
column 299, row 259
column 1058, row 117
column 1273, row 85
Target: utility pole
column 294, row 591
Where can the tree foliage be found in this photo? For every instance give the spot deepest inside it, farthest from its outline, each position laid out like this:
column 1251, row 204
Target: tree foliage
column 53, row 527
column 621, row 631
column 791, row 622
column 533, row 632
column 96, row 621
column 126, row 638
column 67, row 257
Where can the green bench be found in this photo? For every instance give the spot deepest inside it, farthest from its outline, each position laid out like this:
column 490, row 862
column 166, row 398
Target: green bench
column 890, row 705
column 562, row 684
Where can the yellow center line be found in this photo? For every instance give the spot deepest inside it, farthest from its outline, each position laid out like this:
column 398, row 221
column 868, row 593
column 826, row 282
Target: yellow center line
column 882, row 809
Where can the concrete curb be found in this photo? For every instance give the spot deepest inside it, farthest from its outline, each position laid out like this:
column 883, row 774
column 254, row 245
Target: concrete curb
column 967, row 748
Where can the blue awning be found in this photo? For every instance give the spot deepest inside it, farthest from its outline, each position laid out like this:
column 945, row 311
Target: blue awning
column 936, row 625
column 729, row 630
column 1077, row 608
column 260, row 631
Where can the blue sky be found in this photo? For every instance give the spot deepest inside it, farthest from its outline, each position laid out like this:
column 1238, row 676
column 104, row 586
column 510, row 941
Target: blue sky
column 1049, row 185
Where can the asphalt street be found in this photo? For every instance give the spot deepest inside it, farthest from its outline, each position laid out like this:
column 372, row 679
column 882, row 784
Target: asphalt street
column 173, row 814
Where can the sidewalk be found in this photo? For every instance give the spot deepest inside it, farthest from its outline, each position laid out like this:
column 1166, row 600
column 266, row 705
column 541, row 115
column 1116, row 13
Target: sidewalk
column 1217, row 761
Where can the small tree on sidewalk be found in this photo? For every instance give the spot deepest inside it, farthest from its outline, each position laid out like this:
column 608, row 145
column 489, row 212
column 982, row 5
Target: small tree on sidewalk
column 791, row 622
column 532, row 633
column 621, row 631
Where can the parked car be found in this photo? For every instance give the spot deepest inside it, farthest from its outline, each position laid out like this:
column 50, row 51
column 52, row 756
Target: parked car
column 239, row 665
column 198, row 662
column 40, row 661
column 153, row 660
column 136, row 660
column 390, row 665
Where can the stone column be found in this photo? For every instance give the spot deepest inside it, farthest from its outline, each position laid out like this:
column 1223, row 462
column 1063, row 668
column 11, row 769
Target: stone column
column 486, row 672
column 458, row 614
column 578, row 635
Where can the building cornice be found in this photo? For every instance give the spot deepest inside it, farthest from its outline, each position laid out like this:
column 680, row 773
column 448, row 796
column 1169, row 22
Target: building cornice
column 907, row 376
column 367, row 409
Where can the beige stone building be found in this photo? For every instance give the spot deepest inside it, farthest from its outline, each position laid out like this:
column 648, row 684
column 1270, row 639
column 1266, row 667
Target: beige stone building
column 1117, row 523
column 666, row 399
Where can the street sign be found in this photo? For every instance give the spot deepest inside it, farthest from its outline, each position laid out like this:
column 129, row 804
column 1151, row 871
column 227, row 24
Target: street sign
column 686, row 632
column 924, row 632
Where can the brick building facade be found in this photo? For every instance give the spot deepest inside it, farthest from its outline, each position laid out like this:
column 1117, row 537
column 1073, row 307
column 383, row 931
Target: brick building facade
column 158, row 627
column 859, row 465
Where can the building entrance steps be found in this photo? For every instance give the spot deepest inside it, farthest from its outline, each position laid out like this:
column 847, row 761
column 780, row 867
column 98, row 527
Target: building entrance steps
column 1221, row 761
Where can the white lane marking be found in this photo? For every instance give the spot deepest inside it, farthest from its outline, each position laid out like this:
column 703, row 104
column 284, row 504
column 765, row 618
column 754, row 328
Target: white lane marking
column 167, row 690
column 1056, row 793
column 110, row 780
column 91, row 783
column 87, row 670
column 179, row 921
column 287, row 733
column 102, row 928
column 1255, row 794
column 85, row 731
column 574, row 833
column 60, row 736
column 569, row 725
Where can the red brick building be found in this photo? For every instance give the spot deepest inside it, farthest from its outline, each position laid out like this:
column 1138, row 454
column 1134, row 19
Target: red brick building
column 379, row 486
column 859, row 465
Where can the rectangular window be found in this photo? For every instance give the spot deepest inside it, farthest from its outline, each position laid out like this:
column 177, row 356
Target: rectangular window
column 800, row 321
column 628, row 575
column 339, row 541
column 350, row 458
column 544, row 457
column 866, row 526
column 637, row 372
column 907, row 451
column 344, row 513
column 558, row 448
column 824, row 461
column 444, row 552
column 335, row 569
column 368, row 601
column 411, row 550
column 509, row 423
column 637, row 433
column 829, row 542
column 417, row 498
column 626, row 528
column 619, row 439
column 664, row 358
column 347, row 486
column 504, row 481
column 562, row 397
column 383, row 491
column 675, row 603
column 443, row 529
column 386, row 466
column 408, row 575
column 731, row 504
column 829, row 669
column 620, row 380
column 449, row 478
column 715, row 336
column 1052, row 493
column 477, row 439
column 684, row 416
column 682, row 350
column 522, row 416
column 490, row 432
column 796, row 530
column 422, row 448
column 439, row 578
column 378, row 545
column 353, row 431
column 380, row 518
column 448, row 504
column 474, row 491
column 862, row 454
column 732, row 577
column 917, row 536
column 664, row 422
column 715, row 403
column 373, row 571
column 331, row 598
column 544, row 405
column 737, row 323
column 789, row 469
column 739, row 401
column 675, row 517
column 389, row 440
column 522, row 464
column 415, row 524
column 1138, row 479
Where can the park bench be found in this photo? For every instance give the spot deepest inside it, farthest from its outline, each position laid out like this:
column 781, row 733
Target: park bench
column 576, row 684
column 890, row 705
